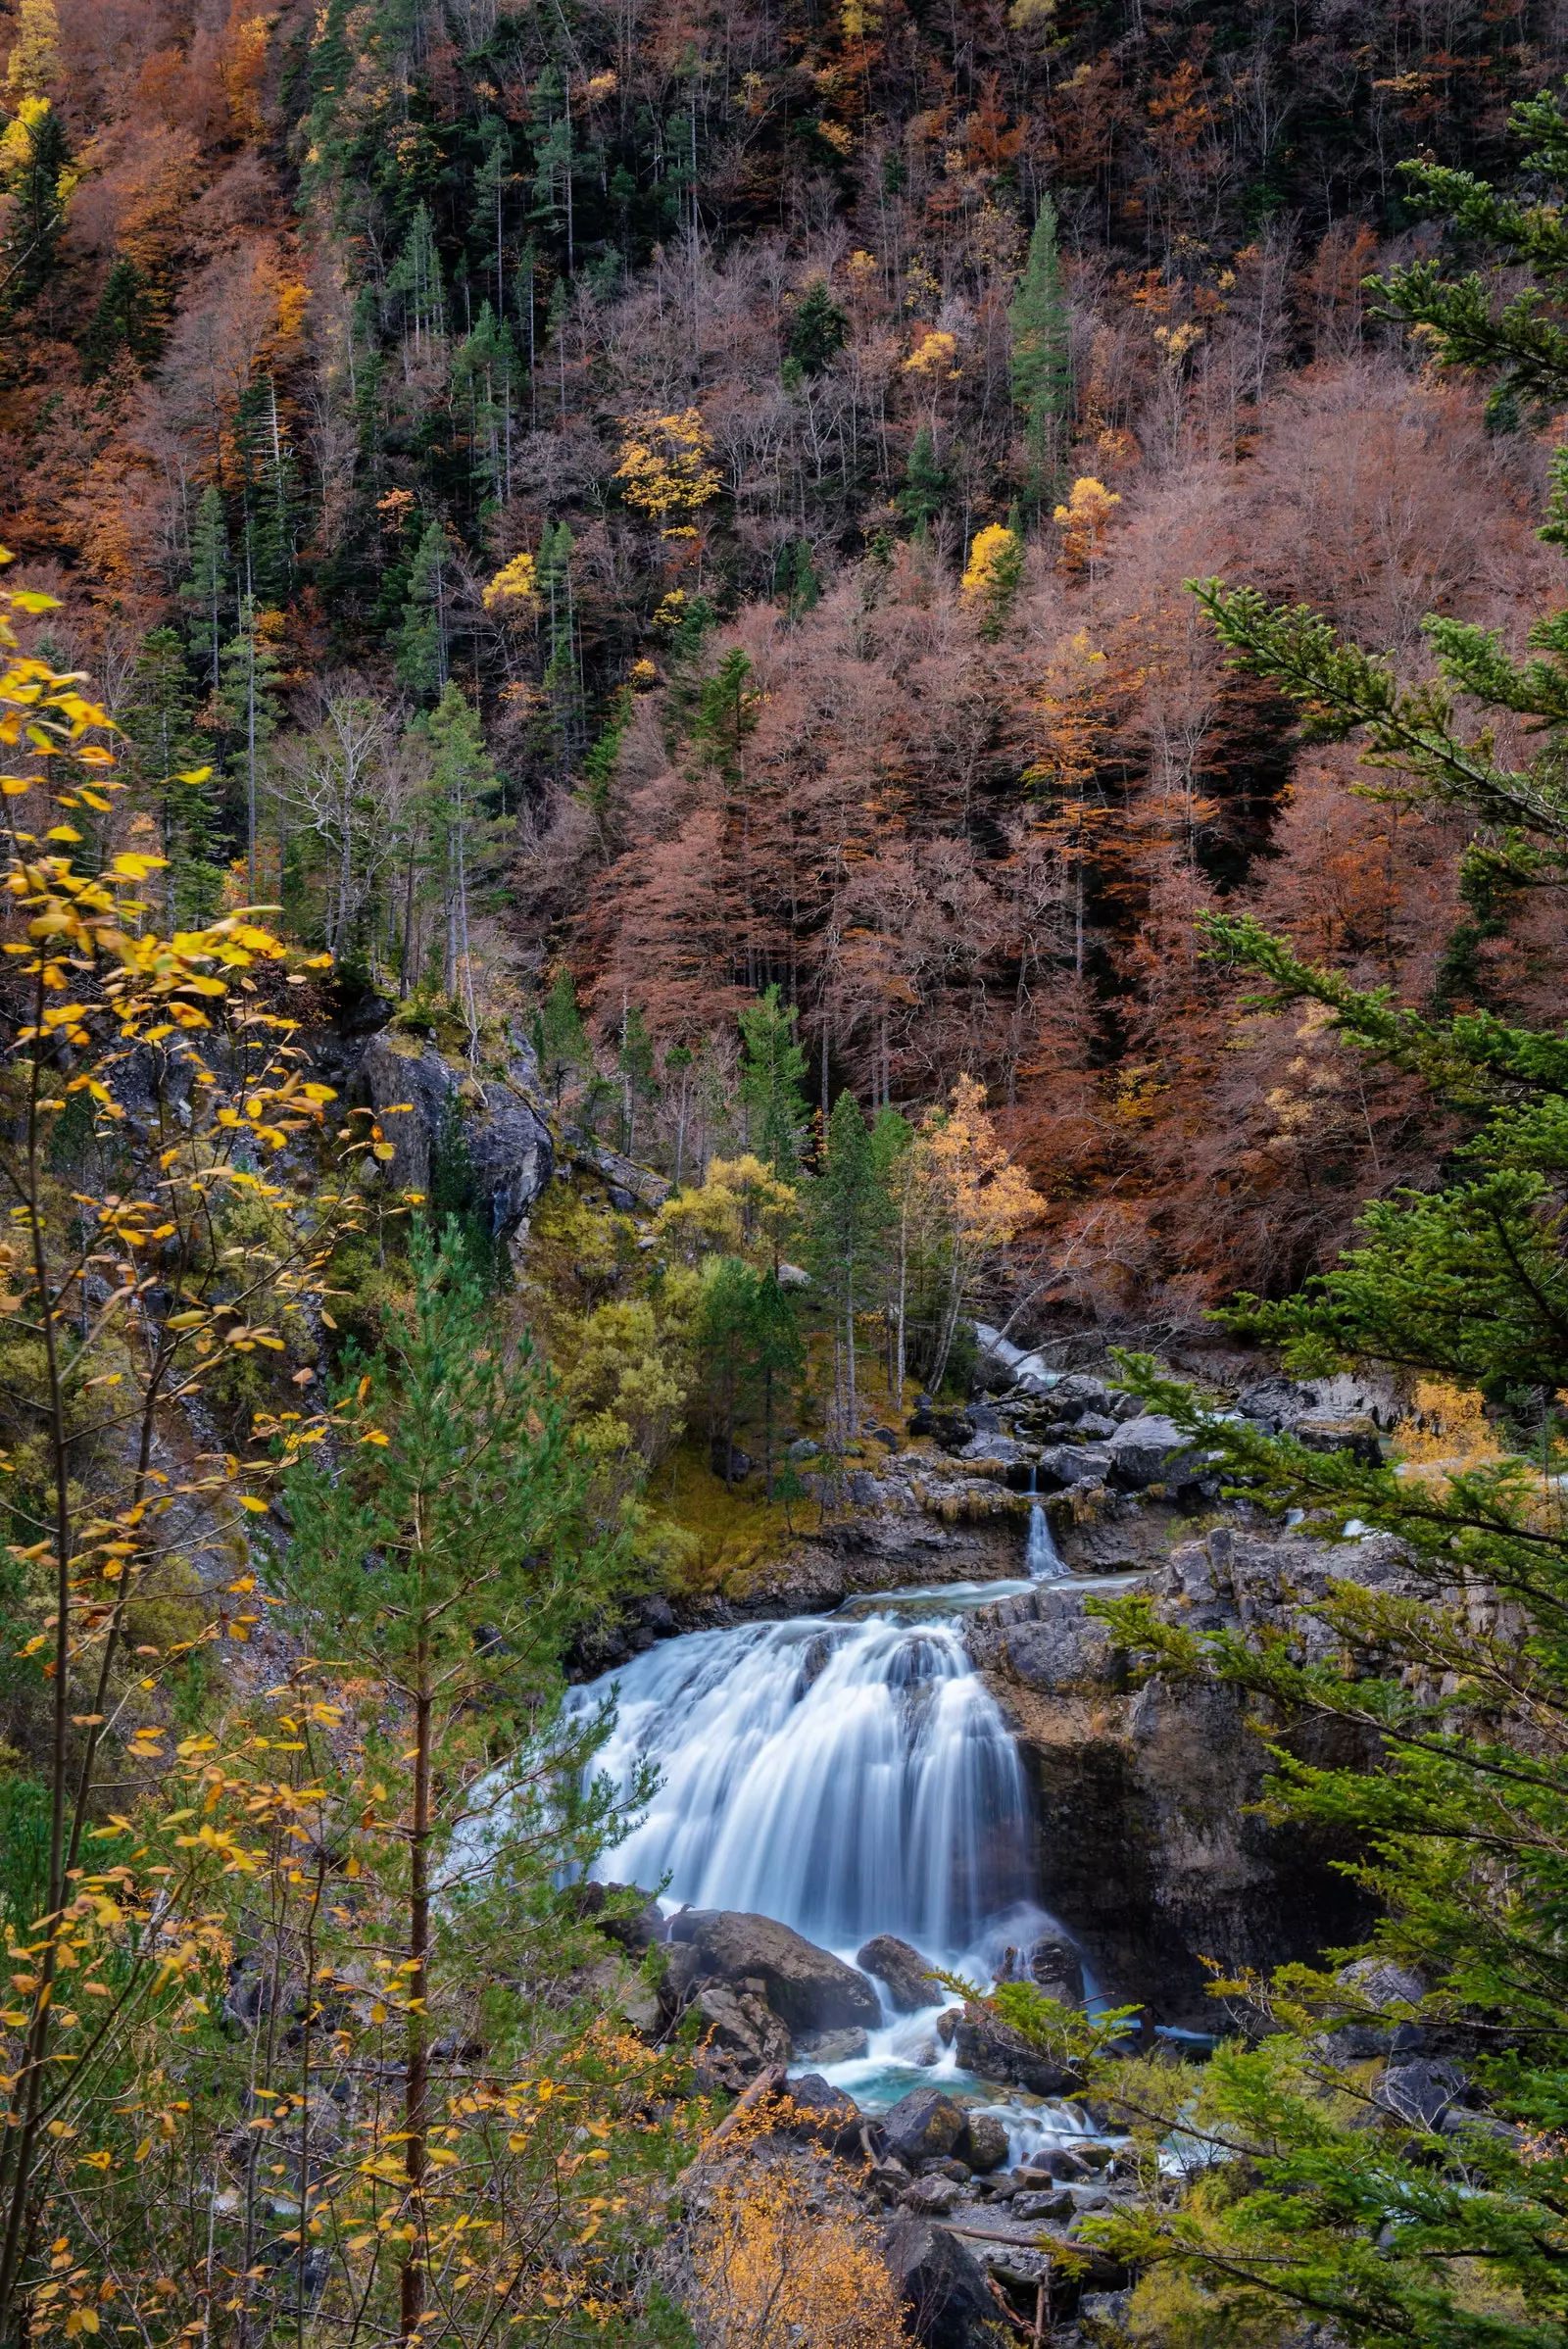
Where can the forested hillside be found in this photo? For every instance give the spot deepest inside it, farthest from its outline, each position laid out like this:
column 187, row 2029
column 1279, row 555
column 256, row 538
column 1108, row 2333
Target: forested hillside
column 541, row 463
column 762, row 750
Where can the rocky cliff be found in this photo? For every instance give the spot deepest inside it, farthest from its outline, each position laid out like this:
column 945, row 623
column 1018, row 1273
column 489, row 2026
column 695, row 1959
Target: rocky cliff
column 1148, row 1852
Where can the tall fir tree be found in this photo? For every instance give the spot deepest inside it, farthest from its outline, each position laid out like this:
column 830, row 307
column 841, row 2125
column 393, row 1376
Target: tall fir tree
column 424, row 634
column 205, row 589
column 925, row 485
column 848, row 1219
column 771, row 1087
column 1041, row 363
column 125, row 323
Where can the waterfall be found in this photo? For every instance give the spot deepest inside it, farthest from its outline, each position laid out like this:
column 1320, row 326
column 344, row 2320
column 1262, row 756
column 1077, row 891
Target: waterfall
column 845, row 1778
column 1043, row 1562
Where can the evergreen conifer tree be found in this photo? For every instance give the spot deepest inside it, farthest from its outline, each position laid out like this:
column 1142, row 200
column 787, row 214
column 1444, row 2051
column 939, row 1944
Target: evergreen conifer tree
column 925, row 485
column 773, row 1069
column 424, row 635
column 206, row 588
column 249, row 708
column 1384, row 2222
column 1042, row 357
column 819, row 329
column 450, row 1555
column 123, row 322
column 848, row 1219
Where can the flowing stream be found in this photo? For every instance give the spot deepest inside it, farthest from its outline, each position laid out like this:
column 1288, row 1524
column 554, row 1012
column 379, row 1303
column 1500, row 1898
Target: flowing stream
column 848, row 1775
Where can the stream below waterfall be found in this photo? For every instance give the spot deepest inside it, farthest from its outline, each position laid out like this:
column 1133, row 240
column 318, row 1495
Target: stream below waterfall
column 848, row 1775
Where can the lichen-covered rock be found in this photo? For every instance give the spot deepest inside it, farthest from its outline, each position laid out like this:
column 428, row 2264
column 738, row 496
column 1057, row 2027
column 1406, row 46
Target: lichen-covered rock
column 985, row 2044
column 923, row 2125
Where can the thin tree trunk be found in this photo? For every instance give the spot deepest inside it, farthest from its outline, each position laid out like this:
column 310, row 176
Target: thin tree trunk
column 415, row 2077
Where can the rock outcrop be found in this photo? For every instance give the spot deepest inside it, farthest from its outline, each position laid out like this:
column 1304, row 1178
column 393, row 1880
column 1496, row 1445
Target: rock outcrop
column 809, row 1988
column 1149, row 1852
column 427, row 1106
column 910, row 1983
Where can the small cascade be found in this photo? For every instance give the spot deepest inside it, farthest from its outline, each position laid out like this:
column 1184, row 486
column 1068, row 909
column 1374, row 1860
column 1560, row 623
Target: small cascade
column 848, row 1778
column 1043, row 1561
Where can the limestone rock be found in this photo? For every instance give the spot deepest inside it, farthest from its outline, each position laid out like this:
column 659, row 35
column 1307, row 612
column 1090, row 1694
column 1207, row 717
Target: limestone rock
column 922, row 2124
column 942, row 2284
column 984, row 2143
column 1152, row 1450
column 808, row 1987
column 985, row 2044
column 910, row 1984
column 509, row 1155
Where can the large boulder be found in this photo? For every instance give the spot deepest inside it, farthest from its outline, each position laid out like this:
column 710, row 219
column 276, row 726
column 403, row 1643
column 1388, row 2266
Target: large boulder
column 809, row 1988
column 1152, row 1450
column 741, row 2035
column 942, row 2284
column 910, row 1983
column 821, row 2111
column 923, row 2125
column 984, row 2044
column 428, row 1108
column 1074, row 1463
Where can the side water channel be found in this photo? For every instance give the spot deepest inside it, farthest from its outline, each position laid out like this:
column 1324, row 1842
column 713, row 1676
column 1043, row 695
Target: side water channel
column 848, row 1776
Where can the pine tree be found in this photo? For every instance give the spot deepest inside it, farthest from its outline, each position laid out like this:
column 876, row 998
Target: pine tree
column 414, row 279
column 248, row 705
column 424, row 635
column 925, row 485
column 848, row 1218
column 448, row 1557
column 265, row 476
column 778, row 1357
column 461, row 832
column 1042, row 357
column 123, row 321
column 35, row 173
column 1381, row 2224
column 638, row 1070
column 772, row 1067
column 206, row 587
column 564, row 1045
column 818, row 329
column 172, row 760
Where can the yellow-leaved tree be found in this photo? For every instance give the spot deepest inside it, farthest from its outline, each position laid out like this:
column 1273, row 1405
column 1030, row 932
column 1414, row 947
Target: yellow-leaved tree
column 963, row 1201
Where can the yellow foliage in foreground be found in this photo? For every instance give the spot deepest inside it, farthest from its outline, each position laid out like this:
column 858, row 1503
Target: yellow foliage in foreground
column 783, row 2259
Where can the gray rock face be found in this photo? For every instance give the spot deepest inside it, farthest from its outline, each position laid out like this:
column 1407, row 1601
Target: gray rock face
column 1420, row 2091
column 740, row 2024
column 935, row 2197
column 922, row 2126
column 831, row 2047
column 994, row 2049
column 1163, row 1776
column 507, row 1140
column 1074, row 1463
column 942, row 2284
column 824, row 2112
column 906, row 1973
column 1151, row 1451
column 808, row 1987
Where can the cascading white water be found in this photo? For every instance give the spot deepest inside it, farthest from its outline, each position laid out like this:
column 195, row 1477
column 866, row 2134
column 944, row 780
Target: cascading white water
column 847, row 1778
column 1042, row 1561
